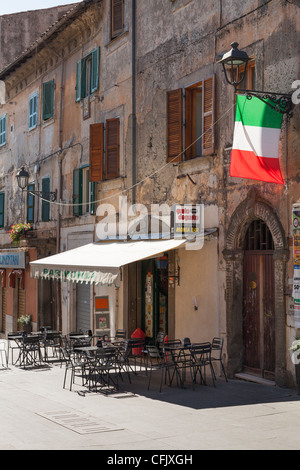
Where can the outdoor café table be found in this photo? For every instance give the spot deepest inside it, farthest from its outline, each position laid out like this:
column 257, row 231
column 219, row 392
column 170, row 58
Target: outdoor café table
column 30, row 350
column 98, row 363
column 177, row 357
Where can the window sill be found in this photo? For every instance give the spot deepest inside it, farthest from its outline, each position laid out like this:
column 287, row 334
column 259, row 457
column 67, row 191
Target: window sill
column 115, row 41
column 195, row 164
column 48, row 122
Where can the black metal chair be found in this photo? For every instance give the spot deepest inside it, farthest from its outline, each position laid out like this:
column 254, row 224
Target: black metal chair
column 216, row 354
column 13, row 345
column 31, row 351
column 200, row 359
column 103, row 370
column 3, row 354
column 120, row 334
column 156, row 361
column 75, row 364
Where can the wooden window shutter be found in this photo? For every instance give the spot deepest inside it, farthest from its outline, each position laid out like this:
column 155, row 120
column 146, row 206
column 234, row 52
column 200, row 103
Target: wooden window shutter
column 48, row 99
column 174, row 125
column 77, row 192
column 78, row 80
column 117, row 17
column 2, row 199
column 46, row 195
column 208, row 106
column 188, row 125
column 112, row 148
column 95, row 69
column 30, row 203
column 96, row 151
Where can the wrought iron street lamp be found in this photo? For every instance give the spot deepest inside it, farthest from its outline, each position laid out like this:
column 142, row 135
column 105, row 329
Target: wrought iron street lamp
column 235, row 64
column 23, row 178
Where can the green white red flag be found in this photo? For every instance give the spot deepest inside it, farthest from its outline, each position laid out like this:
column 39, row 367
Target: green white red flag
column 255, row 149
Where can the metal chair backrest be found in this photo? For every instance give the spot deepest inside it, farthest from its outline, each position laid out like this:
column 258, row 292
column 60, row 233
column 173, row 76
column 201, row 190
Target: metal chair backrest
column 120, row 334
column 202, row 350
column 217, row 345
column 153, row 351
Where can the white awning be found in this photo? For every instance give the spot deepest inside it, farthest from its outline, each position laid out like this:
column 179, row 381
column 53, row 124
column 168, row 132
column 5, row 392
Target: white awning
column 99, row 262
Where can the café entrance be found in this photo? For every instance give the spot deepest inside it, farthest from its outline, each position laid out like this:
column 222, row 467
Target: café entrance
column 155, row 296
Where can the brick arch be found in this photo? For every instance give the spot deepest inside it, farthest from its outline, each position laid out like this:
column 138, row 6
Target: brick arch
column 245, row 213
column 248, row 210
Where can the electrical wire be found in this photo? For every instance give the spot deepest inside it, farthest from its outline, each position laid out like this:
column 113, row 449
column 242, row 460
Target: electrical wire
column 66, row 204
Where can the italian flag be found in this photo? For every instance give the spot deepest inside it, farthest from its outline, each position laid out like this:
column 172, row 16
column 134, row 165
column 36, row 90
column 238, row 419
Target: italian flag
column 256, row 141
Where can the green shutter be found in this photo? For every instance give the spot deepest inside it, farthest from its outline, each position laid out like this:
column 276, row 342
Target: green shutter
column 30, row 204
column 77, row 192
column 95, row 69
column 92, row 197
column 45, row 195
column 78, row 81
column 2, row 198
column 48, row 99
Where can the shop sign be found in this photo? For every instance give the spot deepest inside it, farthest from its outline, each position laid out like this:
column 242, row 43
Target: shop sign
column 296, row 247
column 64, row 275
column 188, row 220
column 12, row 259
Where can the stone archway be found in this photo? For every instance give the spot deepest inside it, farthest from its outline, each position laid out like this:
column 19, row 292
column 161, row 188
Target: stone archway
column 253, row 208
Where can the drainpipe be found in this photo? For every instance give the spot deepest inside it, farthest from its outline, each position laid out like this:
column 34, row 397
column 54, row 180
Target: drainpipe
column 133, row 44
column 59, row 191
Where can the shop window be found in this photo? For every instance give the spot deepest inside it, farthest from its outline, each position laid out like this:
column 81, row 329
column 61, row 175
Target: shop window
column 33, row 111
column 3, row 130
column 83, row 192
column 30, row 203
column 87, row 75
column 190, row 121
column 45, row 196
column 48, row 100
column 105, row 165
column 2, row 200
column 117, row 18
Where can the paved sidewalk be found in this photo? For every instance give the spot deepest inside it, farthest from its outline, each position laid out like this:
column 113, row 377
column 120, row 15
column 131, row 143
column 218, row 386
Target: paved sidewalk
column 37, row 413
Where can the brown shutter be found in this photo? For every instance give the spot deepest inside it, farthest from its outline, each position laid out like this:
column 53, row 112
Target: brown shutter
column 175, row 125
column 188, row 125
column 208, row 103
column 112, row 148
column 96, row 151
column 117, row 17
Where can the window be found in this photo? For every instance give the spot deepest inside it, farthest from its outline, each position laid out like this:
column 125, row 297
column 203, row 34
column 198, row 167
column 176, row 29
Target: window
column 83, row 192
column 33, row 111
column 105, row 160
column 117, row 18
column 48, row 100
column 2, row 199
column 249, row 81
column 3, row 130
column 190, row 121
column 87, row 75
column 45, row 203
column 30, row 203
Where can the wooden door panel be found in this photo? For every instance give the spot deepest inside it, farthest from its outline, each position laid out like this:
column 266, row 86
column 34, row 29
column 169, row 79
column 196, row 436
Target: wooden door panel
column 251, row 311
column 268, row 313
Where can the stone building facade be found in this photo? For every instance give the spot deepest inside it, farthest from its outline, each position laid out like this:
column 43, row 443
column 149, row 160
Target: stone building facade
column 157, row 86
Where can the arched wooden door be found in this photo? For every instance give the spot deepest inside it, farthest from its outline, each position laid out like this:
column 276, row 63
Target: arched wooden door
column 259, row 302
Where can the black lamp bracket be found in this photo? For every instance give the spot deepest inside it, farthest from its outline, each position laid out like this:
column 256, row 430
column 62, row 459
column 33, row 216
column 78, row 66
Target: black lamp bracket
column 49, row 196
column 282, row 103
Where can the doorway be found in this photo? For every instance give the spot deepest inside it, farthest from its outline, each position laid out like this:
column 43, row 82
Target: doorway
column 259, row 301
column 155, row 296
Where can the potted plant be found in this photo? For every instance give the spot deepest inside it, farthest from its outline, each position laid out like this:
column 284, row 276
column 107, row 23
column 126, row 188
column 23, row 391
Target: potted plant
column 295, row 348
column 25, row 321
column 17, row 231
